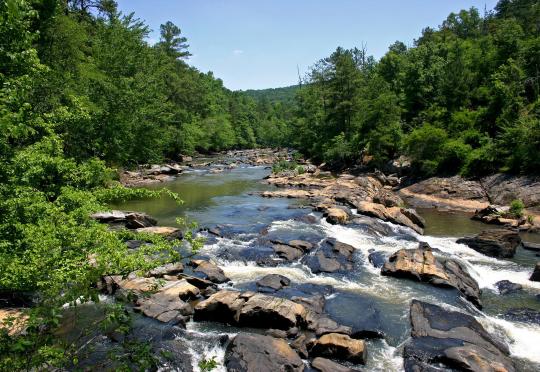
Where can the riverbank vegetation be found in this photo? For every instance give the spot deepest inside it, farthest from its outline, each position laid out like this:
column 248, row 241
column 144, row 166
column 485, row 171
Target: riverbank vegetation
column 464, row 98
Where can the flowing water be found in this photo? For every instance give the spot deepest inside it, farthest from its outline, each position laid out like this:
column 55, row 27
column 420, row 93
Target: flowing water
column 230, row 199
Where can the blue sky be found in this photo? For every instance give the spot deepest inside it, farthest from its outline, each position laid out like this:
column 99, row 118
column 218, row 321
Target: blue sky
column 254, row 44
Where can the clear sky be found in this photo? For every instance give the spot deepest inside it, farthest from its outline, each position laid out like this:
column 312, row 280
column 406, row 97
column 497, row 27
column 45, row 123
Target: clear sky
column 254, row 44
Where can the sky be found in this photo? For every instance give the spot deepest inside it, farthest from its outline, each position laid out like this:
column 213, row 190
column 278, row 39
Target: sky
column 256, row 44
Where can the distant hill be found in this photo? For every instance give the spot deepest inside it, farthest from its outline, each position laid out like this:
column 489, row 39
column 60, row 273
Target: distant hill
column 285, row 94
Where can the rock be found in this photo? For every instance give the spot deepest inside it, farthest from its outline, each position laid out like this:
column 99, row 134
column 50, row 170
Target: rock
column 420, row 264
column 167, row 304
column 535, row 277
column 287, row 252
column 413, row 215
column 393, row 214
column 168, row 269
column 492, row 215
column 301, row 244
column 168, row 232
column 254, row 353
column 209, row 271
column 222, row 306
column 454, row 193
column 299, row 344
column 387, row 198
column 503, row 189
column 327, row 365
column 332, row 256
column 377, row 259
column 251, row 310
column 336, row 216
column 400, row 166
column 338, row 346
column 531, row 246
column 197, row 282
column 450, row 339
column 185, row 158
column 132, row 220
column 272, row 282
column 277, row 333
column 500, row 243
column 506, row 287
column 264, row 311
column 524, row 315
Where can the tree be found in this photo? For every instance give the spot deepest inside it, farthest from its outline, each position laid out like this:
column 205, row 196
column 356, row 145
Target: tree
column 171, row 41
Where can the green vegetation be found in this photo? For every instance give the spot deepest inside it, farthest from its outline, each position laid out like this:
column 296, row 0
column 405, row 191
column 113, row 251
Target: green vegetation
column 516, row 208
column 284, row 165
column 207, row 365
column 464, row 99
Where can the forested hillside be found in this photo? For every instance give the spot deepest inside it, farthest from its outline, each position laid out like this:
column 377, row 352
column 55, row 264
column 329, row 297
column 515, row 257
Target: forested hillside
column 274, row 95
column 464, row 98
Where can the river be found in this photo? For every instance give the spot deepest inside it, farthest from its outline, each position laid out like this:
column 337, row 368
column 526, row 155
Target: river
column 230, row 198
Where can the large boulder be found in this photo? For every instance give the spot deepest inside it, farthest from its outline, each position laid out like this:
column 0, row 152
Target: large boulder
column 507, row 287
column 500, row 243
column 255, row 353
column 252, row 310
column 338, row 346
column 209, row 271
column 422, row 265
column 452, row 340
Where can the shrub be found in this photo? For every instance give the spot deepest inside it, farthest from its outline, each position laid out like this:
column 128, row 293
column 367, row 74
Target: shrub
column 516, row 207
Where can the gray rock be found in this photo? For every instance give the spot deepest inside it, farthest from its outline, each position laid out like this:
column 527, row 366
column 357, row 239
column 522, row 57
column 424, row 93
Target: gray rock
column 327, row 365
column 507, row 287
column 272, row 282
column 451, row 339
column 255, row 353
column 535, row 277
column 500, row 243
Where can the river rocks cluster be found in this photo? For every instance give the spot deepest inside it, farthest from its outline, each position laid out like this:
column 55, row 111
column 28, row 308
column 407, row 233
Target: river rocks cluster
column 369, row 195
column 157, row 173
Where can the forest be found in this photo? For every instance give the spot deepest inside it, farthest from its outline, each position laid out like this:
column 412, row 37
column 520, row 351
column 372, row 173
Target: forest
column 83, row 93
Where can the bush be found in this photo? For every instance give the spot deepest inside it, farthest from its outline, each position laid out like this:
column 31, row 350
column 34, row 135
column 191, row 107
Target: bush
column 516, row 208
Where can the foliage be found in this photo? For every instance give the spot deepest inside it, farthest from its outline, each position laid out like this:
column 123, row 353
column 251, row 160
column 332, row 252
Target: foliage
column 516, row 207
column 207, row 365
column 463, row 99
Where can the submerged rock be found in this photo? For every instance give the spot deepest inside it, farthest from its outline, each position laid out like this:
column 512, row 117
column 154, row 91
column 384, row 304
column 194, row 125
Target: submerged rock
column 420, row 264
column 500, row 243
column 507, row 287
column 453, row 339
column 524, row 315
column 338, row 346
column 254, row 353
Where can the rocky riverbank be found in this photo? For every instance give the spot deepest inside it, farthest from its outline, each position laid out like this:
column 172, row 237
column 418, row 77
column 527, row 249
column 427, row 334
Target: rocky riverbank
column 159, row 173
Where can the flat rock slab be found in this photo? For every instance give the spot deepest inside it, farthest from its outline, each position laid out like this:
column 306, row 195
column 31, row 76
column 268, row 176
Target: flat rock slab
column 256, row 353
column 454, row 339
